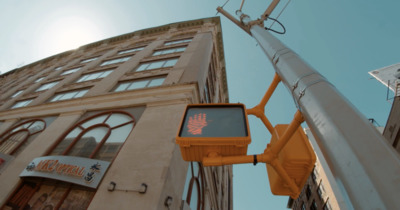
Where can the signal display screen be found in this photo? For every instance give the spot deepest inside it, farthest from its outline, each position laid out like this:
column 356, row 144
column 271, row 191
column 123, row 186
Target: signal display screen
column 217, row 121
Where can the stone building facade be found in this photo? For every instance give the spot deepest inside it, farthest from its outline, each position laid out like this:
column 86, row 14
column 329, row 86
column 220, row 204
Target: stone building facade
column 95, row 127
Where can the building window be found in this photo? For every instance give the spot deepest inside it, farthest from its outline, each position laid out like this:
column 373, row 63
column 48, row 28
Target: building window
column 207, row 96
column 92, row 76
column 70, row 71
column 39, row 79
column 12, row 139
column 46, row 86
column 16, row 94
column 229, row 192
column 130, row 50
column 178, row 41
column 157, row 64
column 21, row 103
column 137, row 84
column 308, row 192
column 89, row 59
column 58, row 68
column 193, row 193
column 114, row 61
column 215, row 179
column 303, row 206
column 211, row 78
column 327, row 205
column 69, row 95
column 97, row 137
column 313, row 205
column 168, row 51
column 321, row 190
column 49, row 194
column 314, row 176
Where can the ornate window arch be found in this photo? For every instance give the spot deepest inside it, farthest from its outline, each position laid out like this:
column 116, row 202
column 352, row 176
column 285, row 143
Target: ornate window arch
column 99, row 136
column 14, row 138
column 195, row 186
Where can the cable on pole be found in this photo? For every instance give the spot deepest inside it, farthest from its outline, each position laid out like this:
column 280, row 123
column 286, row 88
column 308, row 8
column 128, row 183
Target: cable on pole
column 278, row 32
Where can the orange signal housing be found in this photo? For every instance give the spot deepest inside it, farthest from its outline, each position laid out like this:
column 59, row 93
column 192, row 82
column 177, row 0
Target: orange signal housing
column 297, row 158
column 196, row 148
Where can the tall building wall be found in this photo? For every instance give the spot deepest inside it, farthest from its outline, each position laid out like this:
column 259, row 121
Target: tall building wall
column 120, row 101
column 320, row 192
column 390, row 77
column 392, row 128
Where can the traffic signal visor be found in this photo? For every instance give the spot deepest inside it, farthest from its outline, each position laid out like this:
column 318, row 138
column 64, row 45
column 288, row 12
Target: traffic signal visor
column 220, row 129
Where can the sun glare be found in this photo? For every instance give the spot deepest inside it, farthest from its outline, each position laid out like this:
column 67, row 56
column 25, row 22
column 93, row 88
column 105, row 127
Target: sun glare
column 69, row 33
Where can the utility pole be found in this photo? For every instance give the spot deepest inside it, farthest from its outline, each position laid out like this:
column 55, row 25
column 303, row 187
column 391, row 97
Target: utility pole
column 366, row 168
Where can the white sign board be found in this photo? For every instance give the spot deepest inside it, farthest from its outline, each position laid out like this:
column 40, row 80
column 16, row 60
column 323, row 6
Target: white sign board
column 82, row 171
column 388, row 76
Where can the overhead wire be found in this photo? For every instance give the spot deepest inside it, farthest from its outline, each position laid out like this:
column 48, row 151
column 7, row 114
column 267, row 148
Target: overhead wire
column 276, row 20
column 273, row 19
column 284, row 7
column 223, row 6
column 225, row 3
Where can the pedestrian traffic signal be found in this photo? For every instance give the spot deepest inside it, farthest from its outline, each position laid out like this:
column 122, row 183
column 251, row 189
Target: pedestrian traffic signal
column 220, row 129
column 297, row 159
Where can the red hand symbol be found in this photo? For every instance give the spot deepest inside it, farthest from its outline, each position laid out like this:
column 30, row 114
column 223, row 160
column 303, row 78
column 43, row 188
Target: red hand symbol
column 197, row 123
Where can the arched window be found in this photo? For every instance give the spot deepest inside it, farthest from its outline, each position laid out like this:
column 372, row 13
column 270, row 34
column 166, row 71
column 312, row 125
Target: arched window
column 194, row 187
column 15, row 137
column 97, row 137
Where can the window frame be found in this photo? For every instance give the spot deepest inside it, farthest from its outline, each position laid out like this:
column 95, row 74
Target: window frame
column 321, row 190
column 308, row 192
column 167, row 51
column 132, row 82
column 130, row 50
column 39, row 79
column 17, row 93
column 115, row 60
column 29, row 188
column 58, row 68
column 4, row 137
column 178, row 41
column 198, row 180
column 163, row 65
column 88, row 60
column 24, row 102
column 314, row 205
column 70, row 71
column 61, row 94
column 109, row 71
column 327, row 205
column 43, row 86
column 84, row 130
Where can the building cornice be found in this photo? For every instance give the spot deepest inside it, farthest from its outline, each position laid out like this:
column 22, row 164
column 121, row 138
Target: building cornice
column 144, row 32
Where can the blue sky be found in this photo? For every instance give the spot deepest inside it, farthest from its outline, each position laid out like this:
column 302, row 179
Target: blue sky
column 343, row 40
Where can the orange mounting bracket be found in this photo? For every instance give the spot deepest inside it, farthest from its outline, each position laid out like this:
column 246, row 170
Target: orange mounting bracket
column 282, row 162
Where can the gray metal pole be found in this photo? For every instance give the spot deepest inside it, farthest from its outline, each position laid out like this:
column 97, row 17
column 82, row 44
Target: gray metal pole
column 365, row 166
